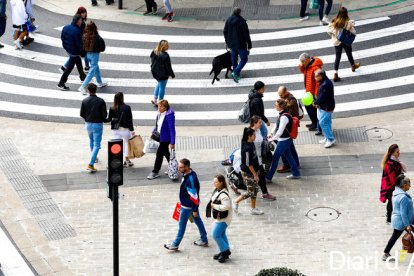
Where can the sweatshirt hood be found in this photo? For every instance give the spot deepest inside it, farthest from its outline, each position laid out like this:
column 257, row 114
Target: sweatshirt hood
column 253, row 94
column 398, row 191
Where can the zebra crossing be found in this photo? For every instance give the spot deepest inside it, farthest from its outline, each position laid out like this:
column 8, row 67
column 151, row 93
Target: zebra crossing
column 384, row 46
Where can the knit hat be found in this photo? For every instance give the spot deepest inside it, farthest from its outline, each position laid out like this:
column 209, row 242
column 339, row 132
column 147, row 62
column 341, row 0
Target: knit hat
column 258, row 85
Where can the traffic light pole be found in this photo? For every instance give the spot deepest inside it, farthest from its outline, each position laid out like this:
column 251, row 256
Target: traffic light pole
column 115, row 229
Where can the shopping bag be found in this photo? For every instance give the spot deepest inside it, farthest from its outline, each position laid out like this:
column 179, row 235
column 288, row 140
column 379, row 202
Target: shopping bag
column 173, row 166
column 314, row 4
column 408, row 242
column 176, row 213
column 150, row 146
column 135, row 147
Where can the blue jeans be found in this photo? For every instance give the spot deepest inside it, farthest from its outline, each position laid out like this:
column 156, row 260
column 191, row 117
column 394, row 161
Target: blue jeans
column 322, row 5
column 325, row 121
column 159, row 90
column 182, row 224
column 219, row 235
column 283, row 148
column 95, row 131
column 294, row 155
column 94, row 71
column 85, row 59
column 167, row 5
column 263, row 130
column 237, row 67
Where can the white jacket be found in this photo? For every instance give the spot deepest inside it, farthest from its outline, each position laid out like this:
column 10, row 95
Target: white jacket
column 19, row 15
column 224, row 206
column 333, row 32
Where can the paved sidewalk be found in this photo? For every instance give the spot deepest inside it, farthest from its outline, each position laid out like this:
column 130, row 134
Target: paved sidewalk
column 132, row 12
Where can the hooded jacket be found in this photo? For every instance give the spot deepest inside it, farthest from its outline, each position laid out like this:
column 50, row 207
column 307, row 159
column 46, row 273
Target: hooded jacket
column 72, row 39
column 256, row 105
column 161, row 66
column 236, row 33
column 19, row 15
column 311, row 85
column 402, row 213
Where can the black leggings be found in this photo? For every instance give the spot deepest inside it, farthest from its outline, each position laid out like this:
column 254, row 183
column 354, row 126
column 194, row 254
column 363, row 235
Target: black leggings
column 150, row 4
column 262, row 180
column 389, row 209
column 394, row 237
column 163, row 150
column 338, row 52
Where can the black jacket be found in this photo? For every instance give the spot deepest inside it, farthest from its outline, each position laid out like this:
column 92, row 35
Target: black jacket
column 93, row 109
column 161, row 66
column 256, row 105
column 249, row 157
column 325, row 98
column 236, row 33
column 126, row 119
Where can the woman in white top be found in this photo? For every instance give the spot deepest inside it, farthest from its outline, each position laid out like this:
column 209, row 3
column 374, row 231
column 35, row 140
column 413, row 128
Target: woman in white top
column 255, row 124
column 222, row 213
column 341, row 21
column 281, row 134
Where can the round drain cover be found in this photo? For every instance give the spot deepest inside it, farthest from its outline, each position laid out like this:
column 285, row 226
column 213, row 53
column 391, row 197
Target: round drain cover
column 378, row 134
column 323, row 214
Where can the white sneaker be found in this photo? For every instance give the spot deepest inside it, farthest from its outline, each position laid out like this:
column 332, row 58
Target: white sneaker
column 82, row 90
column 103, row 84
column 325, row 20
column 323, row 141
column 256, row 211
column 18, row 44
column 329, row 144
column 235, row 207
column 304, row 18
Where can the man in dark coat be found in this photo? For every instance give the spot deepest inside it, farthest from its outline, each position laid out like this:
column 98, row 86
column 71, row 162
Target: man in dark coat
column 237, row 37
column 325, row 103
column 72, row 42
column 257, row 106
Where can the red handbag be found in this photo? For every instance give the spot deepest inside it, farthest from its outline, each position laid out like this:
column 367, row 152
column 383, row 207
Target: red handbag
column 176, row 213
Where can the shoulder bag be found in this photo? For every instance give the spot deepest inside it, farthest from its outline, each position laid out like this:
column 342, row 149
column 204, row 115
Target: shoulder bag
column 346, row 37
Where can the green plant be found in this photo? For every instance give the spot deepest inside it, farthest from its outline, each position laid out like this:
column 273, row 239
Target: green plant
column 279, row 271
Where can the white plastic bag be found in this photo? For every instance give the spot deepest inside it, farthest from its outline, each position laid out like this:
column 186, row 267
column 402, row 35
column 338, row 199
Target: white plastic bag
column 151, row 146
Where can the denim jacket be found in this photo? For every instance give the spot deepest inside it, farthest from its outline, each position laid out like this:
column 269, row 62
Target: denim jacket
column 402, row 213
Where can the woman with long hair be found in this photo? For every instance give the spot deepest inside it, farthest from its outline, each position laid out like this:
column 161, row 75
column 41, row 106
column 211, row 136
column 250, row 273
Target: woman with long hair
column 161, row 70
column 250, row 171
column 342, row 21
column 122, row 123
column 165, row 126
column 281, row 134
column 259, row 143
column 391, row 168
column 221, row 206
column 82, row 12
column 93, row 44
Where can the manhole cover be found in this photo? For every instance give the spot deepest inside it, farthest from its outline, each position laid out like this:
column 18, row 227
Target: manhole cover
column 378, row 134
column 323, row 214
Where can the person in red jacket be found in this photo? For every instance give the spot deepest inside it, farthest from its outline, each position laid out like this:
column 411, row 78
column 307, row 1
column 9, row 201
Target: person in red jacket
column 308, row 65
column 392, row 167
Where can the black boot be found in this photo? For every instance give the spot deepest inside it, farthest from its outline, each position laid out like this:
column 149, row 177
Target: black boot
column 216, row 256
column 224, row 256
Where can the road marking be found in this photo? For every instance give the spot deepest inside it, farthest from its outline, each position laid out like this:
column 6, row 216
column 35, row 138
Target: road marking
column 205, row 83
column 21, row 90
column 206, row 68
column 183, row 39
column 298, row 47
column 199, row 115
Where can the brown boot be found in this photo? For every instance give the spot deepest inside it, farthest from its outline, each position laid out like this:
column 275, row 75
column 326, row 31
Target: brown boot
column 336, row 78
column 355, row 66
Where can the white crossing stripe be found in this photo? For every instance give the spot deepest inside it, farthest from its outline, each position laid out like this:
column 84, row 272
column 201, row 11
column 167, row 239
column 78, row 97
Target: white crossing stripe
column 200, row 115
column 206, row 68
column 184, row 39
column 205, row 83
column 289, row 48
column 21, row 90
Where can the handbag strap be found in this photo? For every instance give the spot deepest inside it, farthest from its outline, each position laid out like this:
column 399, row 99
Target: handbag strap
column 172, row 154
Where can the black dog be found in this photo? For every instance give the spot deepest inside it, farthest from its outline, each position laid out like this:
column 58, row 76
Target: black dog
column 219, row 63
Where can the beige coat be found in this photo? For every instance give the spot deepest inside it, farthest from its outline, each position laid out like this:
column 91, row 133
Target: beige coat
column 224, row 206
column 333, row 32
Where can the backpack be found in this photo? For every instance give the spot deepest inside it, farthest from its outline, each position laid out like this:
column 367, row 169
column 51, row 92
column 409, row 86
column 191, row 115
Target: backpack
column 295, row 126
column 244, row 113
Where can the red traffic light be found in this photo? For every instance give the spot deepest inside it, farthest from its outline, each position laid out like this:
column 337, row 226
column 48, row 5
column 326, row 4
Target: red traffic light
column 116, row 149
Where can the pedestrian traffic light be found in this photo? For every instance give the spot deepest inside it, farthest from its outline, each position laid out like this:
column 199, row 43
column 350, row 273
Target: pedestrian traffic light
column 115, row 167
